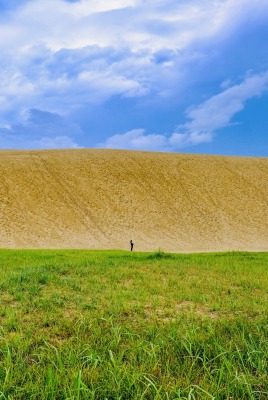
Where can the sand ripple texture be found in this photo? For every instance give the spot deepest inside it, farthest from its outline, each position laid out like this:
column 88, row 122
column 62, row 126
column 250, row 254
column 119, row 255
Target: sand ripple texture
column 100, row 199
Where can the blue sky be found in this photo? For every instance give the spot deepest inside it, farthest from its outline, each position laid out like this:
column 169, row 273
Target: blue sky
column 162, row 75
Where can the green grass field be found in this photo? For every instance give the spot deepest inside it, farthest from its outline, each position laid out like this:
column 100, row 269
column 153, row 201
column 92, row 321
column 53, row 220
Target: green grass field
column 120, row 325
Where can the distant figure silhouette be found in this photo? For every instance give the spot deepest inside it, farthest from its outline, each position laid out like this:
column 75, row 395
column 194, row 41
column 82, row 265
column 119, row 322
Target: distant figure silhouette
column 131, row 245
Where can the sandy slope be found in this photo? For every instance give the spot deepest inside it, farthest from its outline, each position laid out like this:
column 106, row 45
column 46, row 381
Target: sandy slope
column 103, row 198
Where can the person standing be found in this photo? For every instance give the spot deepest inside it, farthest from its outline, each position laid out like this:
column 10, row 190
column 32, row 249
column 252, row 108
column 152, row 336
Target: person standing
column 131, row 245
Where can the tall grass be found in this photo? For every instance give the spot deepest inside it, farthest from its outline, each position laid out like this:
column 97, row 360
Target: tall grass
column 116, row 325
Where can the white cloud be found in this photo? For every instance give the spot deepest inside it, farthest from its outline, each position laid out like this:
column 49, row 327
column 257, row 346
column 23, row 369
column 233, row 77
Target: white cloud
column 39, row 130
column 217, row 112
column 58, row 142
column 62, row 56
column 137, row 140
column 32, row 36
column 214, row 114
column 127, row 23
column 10, row 140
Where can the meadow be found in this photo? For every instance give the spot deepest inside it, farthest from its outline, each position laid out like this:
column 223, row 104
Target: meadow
column 118, row 325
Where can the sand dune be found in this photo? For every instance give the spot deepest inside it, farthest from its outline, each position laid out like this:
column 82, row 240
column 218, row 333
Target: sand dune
column 100, row 199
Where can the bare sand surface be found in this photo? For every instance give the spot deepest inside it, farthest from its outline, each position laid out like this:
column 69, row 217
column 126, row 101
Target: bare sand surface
column 100, row 199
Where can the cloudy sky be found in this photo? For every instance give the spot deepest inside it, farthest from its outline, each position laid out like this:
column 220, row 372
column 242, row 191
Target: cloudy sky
column 164, row 75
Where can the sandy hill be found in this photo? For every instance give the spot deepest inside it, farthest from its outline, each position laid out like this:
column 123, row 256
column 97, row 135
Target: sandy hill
column 100, row 199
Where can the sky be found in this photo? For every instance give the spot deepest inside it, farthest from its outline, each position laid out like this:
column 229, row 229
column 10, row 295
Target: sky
column 187, row 76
